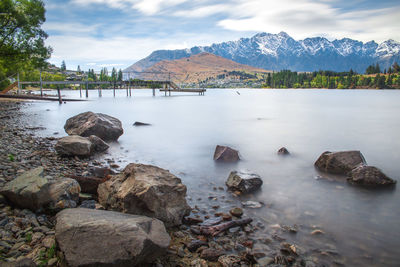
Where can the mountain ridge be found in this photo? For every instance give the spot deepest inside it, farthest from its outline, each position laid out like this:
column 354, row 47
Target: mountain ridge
column 281, row 51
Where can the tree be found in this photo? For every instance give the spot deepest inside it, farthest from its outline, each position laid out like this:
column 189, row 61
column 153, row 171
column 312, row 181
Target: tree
column 120, row 75
column 396, row 67
column 21, row 36
column 114, row 74
column 63, row 66
column 78, row 70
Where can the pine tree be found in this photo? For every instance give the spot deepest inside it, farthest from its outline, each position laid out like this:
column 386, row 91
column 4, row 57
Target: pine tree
column 78, row 69
column 120, row 75
column 63, row 66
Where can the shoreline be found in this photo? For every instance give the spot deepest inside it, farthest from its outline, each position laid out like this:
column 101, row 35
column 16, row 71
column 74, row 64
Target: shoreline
column 243, row 244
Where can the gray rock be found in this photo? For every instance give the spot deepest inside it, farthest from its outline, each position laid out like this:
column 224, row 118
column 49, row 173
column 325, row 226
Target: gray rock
column 252, row 204
column 98, row 144
column 229, row 260
column 339, row 162
column 29, row 190
column 243, row 181
column 138, row 123
column 226, row 154
column 74, row 145
column 105, row 238
column 146, row 190
column 369, row 175
column 88, row 204
column 86, row 124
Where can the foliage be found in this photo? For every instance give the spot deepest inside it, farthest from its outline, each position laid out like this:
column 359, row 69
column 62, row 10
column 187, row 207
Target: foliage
column 63, row 66
column 330, row 79
column 11, row 157
column 28, row 237
column 21, row 37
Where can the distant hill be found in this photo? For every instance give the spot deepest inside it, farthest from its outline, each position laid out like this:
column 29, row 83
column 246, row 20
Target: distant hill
column 196, row 68
column 280, row 51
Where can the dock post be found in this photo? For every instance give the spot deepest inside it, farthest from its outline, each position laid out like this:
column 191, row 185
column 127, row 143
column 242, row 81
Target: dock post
column 87, row 89
column 41, row 84
column 59, row 95
column 80, row 90
column 154, row 92
column 19, row 85
column 114, row 89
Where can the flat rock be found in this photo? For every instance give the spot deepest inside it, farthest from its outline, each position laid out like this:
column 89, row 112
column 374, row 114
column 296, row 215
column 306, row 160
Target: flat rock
column 146, row 190
column 243, row 181
column 369, row 175
column 74, row 145
column 105, row 238
column 339, row 162
column 226, row 154
column 64, row 193
column 29, row 190
column 88, row 123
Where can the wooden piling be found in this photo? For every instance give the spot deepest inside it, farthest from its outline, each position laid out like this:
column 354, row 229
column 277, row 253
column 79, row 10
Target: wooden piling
column 80, row 90
column 87, row 89
column 59, row 95
column 41, row 84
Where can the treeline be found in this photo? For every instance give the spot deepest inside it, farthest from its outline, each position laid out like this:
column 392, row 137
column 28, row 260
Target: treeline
column 333, row 80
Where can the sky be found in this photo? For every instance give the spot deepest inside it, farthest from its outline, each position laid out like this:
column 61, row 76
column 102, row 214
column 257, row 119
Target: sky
column 117, row 33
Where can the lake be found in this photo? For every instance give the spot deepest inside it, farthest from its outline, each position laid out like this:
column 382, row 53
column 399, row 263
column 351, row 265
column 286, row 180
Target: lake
column 361, row 226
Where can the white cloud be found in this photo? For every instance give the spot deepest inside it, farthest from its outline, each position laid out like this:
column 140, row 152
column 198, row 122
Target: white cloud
column 305, row 18
column 204, row 11
column 147, row 7
column 70, row 28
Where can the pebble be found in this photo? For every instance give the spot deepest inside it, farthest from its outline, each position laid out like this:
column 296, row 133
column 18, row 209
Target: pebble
column 237, row 212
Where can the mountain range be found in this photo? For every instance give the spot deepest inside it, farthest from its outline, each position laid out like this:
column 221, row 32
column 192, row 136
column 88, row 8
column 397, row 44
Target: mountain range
column 280, row 51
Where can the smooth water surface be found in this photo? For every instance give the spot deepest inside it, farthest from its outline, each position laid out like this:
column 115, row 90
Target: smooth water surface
column 361, row 225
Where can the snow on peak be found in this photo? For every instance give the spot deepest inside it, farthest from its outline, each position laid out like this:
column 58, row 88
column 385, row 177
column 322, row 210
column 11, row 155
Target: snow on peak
column 388, row 48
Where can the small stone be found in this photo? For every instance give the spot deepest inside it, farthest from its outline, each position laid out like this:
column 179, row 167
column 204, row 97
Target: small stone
column 211, row 254
column 317, row 232
column 49, row 241
column 195, row 244
column 237, row 212
column 52, row 262
column 252, row 204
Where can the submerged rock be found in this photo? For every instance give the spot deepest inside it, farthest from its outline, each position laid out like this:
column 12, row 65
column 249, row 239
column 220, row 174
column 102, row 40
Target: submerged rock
column 339, row 162
column 74, row 145
column 244, row 182
column 252, row 204
column 138, row 123
column 90, row 237
column 146, row 190
column 89, row 123
column 283, row 151
column 369, row 175
column 225, row 153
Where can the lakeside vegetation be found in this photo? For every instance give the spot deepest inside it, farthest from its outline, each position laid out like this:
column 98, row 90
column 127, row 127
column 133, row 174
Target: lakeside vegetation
column 374, row 79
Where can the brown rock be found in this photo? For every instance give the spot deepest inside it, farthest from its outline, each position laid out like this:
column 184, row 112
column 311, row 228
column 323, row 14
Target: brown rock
column 89, row 123
column 369, row 175
column 226, row 154
column 243, row 182
column 283, row 151
column 74, row 145
column 211, row 254
column 146, row 190
column 339, row 162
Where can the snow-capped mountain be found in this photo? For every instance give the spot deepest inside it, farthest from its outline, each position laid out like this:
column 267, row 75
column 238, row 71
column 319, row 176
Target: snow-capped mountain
column 280, row 51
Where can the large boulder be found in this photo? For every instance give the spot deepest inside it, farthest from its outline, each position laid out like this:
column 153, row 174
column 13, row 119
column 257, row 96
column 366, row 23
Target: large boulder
column 90, row 237
column 88, row 123
column 33, row 191
column 74, row 145
column 369, row 175
column 29, row 190
column 225, row 153
column 244, row 182
column 339, row 162
column 146, row 190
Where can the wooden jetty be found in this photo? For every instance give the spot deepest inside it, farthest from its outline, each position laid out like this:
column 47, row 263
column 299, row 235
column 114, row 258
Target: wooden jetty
column 167, row 86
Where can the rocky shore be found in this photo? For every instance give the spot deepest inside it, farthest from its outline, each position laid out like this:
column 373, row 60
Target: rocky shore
column 99, row 222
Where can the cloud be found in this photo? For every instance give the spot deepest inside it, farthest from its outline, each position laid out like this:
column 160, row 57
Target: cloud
column 147, row 7
column 70, row 28
column 204, row 11
column 305, row 18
